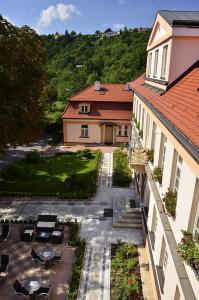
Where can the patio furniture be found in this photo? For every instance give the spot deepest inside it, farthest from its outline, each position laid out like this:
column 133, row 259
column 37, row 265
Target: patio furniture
column 35, row 257
column 5, row 232
column 46, row 256
column 57, row 257
column 44, row 291
column 57, row 236
column 46, row 223
column 20, row 290
column 32, row 284
column 42, row 236
column 27, row 233
column 4, row 263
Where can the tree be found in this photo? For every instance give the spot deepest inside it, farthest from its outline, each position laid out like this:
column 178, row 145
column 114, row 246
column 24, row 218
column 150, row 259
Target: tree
column 66, row 32
column 108, row 30
column 22, row 75
column 73, row 32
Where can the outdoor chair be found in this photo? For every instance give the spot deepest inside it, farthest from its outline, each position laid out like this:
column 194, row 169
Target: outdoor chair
column 20, row 290
column 35, row 257
column 57, row 236
column 57, row 257
column 5, row 232
column 27, row 233
column 44, row 291
column 4, row 263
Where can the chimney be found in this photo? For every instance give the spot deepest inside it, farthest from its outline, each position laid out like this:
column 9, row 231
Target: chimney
column 97, row 85
column 127, row 87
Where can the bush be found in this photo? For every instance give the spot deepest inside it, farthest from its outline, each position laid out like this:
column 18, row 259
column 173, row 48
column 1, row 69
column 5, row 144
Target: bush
column 32, row 157
column 157, row 174
column 12, row 172
column 189, row 249
column 121, row 170
column 85, row 153
column 170, row 200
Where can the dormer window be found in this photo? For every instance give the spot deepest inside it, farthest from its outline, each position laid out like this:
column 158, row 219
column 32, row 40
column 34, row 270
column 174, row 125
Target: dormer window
column 84, row 108
column 164, row 62
column 155, row 70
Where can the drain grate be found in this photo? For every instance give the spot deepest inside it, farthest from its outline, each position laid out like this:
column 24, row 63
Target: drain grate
column 108, row 212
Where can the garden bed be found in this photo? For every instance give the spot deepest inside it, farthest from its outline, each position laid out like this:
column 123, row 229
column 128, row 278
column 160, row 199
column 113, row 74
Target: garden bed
column 125, row 272
column 121, row 170
column 65, row 176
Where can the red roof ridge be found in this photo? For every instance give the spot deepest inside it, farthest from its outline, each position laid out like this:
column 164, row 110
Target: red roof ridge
column 86, row 88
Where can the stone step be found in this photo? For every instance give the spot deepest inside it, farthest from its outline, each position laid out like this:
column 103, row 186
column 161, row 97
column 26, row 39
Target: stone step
column 130, row 221
column 127, row 225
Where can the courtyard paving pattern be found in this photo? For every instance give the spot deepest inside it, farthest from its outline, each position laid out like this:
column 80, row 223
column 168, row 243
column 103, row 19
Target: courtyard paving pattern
column 96, row 228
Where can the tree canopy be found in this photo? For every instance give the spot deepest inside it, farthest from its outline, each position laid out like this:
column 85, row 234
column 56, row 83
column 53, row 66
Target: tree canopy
column 22, row 78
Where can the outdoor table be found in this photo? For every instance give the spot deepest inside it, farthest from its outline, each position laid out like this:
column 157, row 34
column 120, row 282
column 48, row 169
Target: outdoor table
column 46, row 255
column 32, row 284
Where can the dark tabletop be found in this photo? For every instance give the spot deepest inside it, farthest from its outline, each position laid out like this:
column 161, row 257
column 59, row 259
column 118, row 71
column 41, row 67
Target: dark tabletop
column 32, row 284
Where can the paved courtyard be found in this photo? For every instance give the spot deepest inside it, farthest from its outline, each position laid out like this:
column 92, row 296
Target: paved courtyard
column 96, row 229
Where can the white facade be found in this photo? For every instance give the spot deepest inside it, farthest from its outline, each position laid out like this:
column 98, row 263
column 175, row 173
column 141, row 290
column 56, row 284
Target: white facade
column 172, row 277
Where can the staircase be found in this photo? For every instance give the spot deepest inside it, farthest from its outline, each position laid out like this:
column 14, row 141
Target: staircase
column 127, row 213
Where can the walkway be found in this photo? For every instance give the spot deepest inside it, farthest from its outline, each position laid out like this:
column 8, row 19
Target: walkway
column 96, row 228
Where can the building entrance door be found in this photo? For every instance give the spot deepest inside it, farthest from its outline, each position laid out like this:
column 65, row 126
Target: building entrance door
column 109, row 134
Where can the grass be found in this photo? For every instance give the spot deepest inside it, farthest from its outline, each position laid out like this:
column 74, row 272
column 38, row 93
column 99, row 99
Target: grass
column 125, row 274
column 49, row 177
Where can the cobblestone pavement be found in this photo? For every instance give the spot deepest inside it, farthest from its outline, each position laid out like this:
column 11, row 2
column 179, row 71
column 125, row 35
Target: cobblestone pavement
column 96, row 228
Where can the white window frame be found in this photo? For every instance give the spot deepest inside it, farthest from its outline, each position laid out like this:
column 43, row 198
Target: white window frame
column 155, row 69
column 119, row 130
column 164, row 62
column 164, row 152
column 84, row 130
column 177, row 173
column 122, row 130
column 84, row 109
column 149, row 64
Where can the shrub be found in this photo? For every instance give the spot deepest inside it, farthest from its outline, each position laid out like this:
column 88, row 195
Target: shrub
column 150, row 155
column 85, row 153
column 12, row 172
column 170, row 200
column 32, row 157
column 121, row 170
column 157, row 174
column 189, row 249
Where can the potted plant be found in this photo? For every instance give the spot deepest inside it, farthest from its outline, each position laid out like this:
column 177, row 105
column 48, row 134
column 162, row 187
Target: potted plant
column 189, row 251
column 170, row 201
column 150, row 155
column 157, row 174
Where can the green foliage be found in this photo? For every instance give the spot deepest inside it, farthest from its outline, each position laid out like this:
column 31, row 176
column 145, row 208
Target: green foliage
column 141, row 133
column 157, row 174
column 22, row 78
column 12, row 172
column 170, row 200
column 189, row 249
column 150, row 155
column 32, row 157
column 85, row 153
column 121, row 170
column 125, row 276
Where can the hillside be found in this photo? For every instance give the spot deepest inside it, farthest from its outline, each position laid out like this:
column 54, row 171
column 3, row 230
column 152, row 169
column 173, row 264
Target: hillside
column 76, row 61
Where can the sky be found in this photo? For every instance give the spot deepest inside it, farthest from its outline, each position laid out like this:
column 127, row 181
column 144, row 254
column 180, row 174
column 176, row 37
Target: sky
column 87, row 16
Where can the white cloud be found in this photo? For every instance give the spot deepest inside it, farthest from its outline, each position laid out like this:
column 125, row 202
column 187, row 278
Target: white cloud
column 118, row 27
column 60, row 12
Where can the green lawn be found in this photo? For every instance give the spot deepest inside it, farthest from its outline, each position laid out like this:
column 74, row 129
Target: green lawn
column 49, row 176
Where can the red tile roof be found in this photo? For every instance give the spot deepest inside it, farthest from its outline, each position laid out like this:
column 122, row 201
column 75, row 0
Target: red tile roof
column 180, row 104
column 108, row 92
column 100, row 111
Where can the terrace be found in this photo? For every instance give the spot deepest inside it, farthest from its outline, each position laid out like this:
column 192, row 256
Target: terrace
column 21, row 266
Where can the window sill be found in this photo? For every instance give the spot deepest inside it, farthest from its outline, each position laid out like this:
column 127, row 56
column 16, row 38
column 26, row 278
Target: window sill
column 84, row 113
column 121, row 135
column 84, row 137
